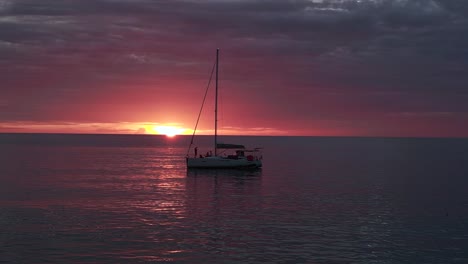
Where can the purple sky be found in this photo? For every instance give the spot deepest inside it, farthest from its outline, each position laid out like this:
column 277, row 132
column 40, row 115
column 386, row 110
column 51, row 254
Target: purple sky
column 311, row 67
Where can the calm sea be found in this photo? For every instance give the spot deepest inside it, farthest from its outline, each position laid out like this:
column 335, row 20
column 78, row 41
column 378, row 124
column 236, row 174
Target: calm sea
column 130, row 199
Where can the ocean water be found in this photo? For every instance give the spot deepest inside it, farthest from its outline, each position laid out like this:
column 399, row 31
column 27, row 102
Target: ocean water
column 130, row 199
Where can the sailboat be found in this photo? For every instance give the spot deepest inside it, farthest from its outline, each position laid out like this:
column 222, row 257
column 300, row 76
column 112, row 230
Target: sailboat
column 238, row 158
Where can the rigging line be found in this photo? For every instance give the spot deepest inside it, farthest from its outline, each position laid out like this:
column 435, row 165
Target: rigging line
column 201, row 109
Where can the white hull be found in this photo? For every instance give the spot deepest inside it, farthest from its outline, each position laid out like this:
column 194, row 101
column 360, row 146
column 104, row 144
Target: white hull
column 222, row 163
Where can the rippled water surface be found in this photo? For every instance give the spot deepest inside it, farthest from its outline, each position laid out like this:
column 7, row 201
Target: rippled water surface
column 121, row 199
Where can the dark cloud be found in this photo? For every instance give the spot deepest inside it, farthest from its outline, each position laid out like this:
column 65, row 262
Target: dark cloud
column 316, row 59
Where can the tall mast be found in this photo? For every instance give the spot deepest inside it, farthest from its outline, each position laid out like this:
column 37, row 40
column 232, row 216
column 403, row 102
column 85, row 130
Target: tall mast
column 216, row 106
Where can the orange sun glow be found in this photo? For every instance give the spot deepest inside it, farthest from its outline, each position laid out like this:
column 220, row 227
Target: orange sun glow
column 169, row 131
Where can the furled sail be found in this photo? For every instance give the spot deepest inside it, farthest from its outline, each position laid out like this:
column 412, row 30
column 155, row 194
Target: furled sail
column 229, row 146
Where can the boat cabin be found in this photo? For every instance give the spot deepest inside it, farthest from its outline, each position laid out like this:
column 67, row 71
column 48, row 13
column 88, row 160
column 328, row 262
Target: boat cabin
column 249, row 154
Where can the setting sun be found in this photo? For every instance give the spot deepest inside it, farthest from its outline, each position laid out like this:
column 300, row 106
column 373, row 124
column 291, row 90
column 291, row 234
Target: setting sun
column 169, row 131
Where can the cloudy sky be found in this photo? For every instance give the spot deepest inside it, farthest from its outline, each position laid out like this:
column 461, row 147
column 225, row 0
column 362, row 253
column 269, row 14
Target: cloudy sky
column 288, row 67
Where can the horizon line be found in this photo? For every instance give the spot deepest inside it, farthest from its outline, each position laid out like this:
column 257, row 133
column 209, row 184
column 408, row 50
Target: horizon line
column 205, row 135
